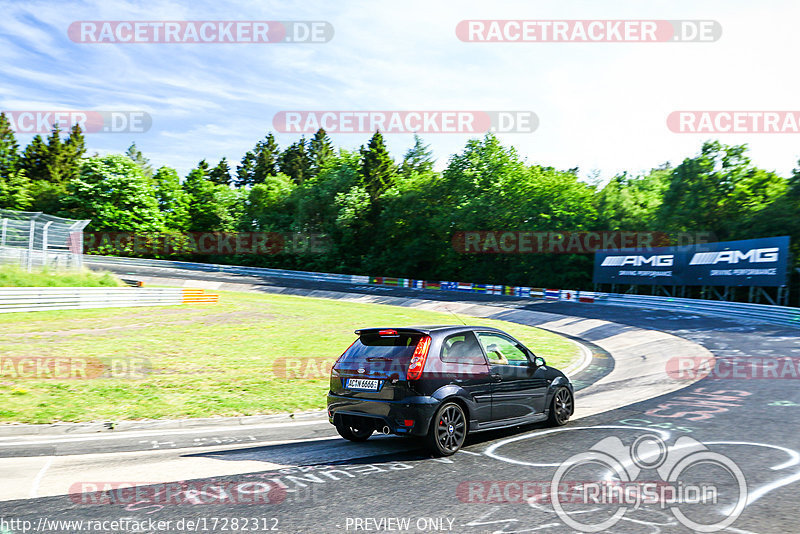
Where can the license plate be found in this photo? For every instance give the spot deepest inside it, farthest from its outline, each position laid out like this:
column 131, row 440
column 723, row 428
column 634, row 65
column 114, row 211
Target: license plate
column 363, row 383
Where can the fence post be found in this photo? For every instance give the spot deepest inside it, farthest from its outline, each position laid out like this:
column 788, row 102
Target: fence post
column 44, row 243
column 30, row 245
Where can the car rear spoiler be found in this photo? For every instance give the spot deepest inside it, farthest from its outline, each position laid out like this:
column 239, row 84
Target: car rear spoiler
column 401, row 330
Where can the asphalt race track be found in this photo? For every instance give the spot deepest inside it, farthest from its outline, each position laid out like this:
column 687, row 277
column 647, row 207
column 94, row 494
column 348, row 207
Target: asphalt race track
column 500, row 481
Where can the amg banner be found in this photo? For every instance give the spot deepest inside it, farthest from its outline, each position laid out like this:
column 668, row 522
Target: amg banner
column 751, row 262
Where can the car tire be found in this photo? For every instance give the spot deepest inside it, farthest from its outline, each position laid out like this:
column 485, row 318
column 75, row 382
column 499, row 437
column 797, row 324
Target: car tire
column 448, row 430
column 562, row 407
column 354, row 433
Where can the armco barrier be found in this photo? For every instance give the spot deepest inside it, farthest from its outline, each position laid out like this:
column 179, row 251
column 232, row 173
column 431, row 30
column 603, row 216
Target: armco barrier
column 758, row 312
column 25, row 299
column 783, row 315
column 518, row 291
column 232, row 269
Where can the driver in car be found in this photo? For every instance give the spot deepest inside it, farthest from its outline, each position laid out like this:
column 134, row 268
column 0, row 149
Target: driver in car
column 495, row 356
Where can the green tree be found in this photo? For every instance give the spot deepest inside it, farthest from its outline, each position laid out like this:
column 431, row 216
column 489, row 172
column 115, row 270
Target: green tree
column 72, row 152
column 200, row 194
column 230, row 206
column 137, row 157
column 64, row 157
column 203, row 168
column 267, row 155
column 245, row 171
column 485, row 187
column 313, row 201
column 56, row 161
column 15, row 191
column 113, row 192
column 417, row 158
column 353, row 207
column 9, row 149
column 718, row 190
column 34, row 160
column 221, row 174
column 632, row 203
column 173, row 201
column 295, row 162
column 377, row 170
column 56, row 156
column 794, row 181
column 267, row 206
column 212, row 208
column 51, row 166
column 14, row 185
column 320, row 150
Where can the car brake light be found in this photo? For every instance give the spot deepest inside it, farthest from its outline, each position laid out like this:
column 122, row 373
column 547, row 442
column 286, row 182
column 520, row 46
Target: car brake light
column 387, row 333
column 417, row 363
column 408, row 422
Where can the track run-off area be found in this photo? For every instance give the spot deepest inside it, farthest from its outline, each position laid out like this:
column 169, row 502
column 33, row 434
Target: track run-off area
column 294, row 474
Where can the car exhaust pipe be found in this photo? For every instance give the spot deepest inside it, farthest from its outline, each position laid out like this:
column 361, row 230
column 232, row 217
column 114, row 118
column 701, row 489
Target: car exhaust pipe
column 386, row 430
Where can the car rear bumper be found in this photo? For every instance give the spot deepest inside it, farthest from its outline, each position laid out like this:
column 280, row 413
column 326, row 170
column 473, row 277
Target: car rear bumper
column 386, row 413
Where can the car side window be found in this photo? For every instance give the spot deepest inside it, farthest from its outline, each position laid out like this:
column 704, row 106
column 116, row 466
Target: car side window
column 462, row 348
column 502, row 350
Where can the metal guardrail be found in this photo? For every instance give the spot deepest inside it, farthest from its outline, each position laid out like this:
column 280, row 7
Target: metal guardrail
column 232, row 269
column 782, row 315
column 315, row 276
column 25, row 299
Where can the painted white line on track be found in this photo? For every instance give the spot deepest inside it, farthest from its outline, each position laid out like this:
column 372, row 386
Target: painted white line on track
column 160, row 433
column 583, row 363
column 490, row 452
column 752, row 496
column 794, row 459
column 36, row 481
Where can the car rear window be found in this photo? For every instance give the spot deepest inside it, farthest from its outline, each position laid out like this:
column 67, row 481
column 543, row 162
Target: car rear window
column 380, row 353
column 462, row 348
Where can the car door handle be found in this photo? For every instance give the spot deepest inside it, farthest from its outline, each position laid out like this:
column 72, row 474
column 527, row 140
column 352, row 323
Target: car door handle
column 497, row 378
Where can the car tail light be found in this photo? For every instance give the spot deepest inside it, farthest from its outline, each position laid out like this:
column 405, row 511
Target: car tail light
column 408, row 422
column 418, row 359
column 387, row 333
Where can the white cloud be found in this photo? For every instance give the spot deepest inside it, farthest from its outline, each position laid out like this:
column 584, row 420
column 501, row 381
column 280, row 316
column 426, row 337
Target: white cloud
column 602, row 106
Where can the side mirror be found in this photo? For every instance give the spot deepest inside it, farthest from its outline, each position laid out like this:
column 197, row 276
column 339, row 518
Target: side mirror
column 538, row 361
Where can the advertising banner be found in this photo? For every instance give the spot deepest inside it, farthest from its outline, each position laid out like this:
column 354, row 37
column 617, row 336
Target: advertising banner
column 751, row 262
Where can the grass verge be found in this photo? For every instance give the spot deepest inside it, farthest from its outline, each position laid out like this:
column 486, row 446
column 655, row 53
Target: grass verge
column 205, row 360
column 14, row 276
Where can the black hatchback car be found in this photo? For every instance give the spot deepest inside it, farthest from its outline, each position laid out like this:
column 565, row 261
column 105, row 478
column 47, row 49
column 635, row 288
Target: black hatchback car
column 441, row 383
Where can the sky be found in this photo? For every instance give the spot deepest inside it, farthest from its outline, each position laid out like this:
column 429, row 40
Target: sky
column 602, row 107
